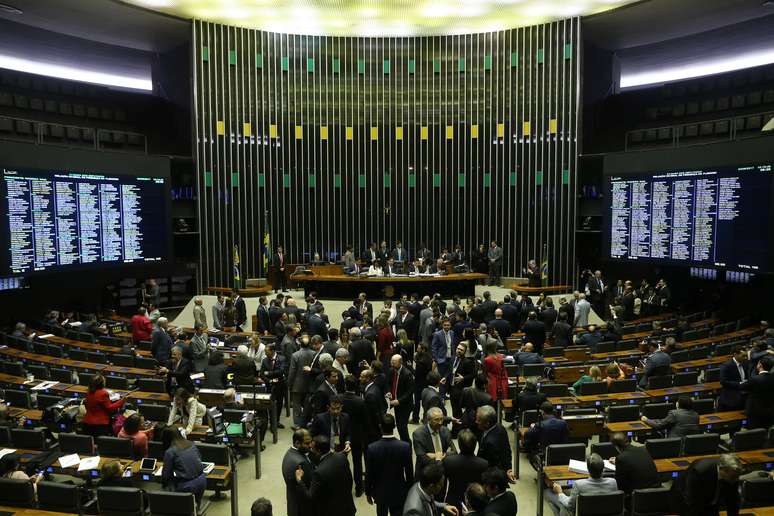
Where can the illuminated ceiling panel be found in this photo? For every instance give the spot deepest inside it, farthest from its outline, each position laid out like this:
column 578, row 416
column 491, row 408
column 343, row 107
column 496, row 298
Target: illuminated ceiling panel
column 380, row 17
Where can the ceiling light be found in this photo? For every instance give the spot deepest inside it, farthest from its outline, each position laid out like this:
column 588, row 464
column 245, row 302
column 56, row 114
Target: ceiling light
column 74, row 74
column 710, row 67
column 10, row 9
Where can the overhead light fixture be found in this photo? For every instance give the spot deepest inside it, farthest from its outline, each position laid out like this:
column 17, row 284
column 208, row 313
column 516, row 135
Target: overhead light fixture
column 711, row 67
column 74, row 74
column 10, row 9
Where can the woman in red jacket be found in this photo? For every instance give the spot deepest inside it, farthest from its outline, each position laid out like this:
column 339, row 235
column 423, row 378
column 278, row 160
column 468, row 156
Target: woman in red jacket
column 99, row 408
column 141, row 326
column 384, row 339
column 494, row 366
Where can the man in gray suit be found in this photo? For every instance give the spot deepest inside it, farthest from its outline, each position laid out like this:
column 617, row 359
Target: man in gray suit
column 564, row 505
column 495, row 255
column 432, row 441
column 299, row 380
column 679, row 422
column 425, row 313
column 296, row 457
column 420, row 500
column 658, row 363
column 582, row 311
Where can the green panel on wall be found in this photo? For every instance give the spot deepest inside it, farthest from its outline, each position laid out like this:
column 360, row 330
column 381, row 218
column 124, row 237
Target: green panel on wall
column 285, row 63
column 437, row 65
column 538, row 177
column 436, row 179
column 312, row 181
column 261, row 180
column 565, row 177
column 361, row 66
column 310, row 64
column 487, row 62
column 259, row 60
column 232, row 57
column 568, row 50
column 336, row 65
column 487, row 179
column 387, row 180
column 235, row 179
column 386, row 66
column 361, row 180
column 207, row 178
column 461, row 180
column 336, row 180
column 512, row 179
column 461, row 64
column 286, row 180
column 514, row 59
column 412, row 180
column 205, row 53
column 540, row 56
column 412, row 65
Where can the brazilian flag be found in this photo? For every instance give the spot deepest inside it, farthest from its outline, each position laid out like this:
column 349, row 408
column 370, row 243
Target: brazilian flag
column 266, row 244
column 544, row 267
column 237, row 276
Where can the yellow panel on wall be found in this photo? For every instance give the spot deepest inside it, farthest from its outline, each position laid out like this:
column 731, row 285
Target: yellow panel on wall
column 500, row 130
column 423, row 132
column 220, row 127
column 247, row 129
column 374, row 133
column 299, row 132
column 399, row 132
column 552, row 126
column 449, row 132
column 349, row 133
column 474, row 131
column 272, row 131
column 526, row 127
column 323, row 132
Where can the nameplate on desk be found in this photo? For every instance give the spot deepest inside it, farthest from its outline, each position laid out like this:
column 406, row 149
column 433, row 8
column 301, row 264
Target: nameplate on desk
column 212, row 391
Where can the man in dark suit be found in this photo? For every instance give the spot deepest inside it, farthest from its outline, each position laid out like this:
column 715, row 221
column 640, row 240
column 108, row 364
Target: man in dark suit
column 406, row 321
column 273, row 374
column 297, row 457
column 680, row 422
column 657, row 364
column 431, row 396
column 161, row 342
column 375, row 406
column 760, row 395
column 178, row 370
column 315, row 324
column 432, row 441
column 590, row 338
column 529, row 398
column 732, row 374
column 551, row 430
column 549, row 314
column 534, row 332
column 443, row 348
column 275, row 313
column 502, row 502
column 334, row 424
column 708, row 484
column 321, row 397
column 400, row 383
column 488, row 306
column 241, row 310
column 474, row 397
column 493, row 444
column 421, row 497
column 361, row 353
column 502, row 326
column 510, row 313
column 371, row 254
column 463, row 372
column 477, row 312
column 278, row 262
column 364, row 307
column 526, row 355
column 355, row 406
column 595, row 289
column 263, row 321
column 400, row 255
column 463, row 468
column 389, row 471
column 634, row 467
column 331, row 487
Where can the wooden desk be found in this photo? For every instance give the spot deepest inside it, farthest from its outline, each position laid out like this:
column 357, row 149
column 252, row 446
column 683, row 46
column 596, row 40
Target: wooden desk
column 704, row 363
column 650, row 318
column 676, row 464
column 77, row 390
column 706, row 420
column 615, row 355
column 347, row 287
column 548, row 289
column 691, row 390
column 244, row 292
column 763, row 456
column 63, row 341
column 602, row 399
column 20, row 511
column 52, row 361
column 569, row 374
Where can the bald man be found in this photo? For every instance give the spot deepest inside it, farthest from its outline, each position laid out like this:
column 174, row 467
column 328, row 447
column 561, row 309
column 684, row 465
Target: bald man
column 400, row 392
column 502, row 326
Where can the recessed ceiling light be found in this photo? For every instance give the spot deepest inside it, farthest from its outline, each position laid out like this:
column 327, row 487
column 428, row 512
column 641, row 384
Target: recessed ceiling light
column 10, row 9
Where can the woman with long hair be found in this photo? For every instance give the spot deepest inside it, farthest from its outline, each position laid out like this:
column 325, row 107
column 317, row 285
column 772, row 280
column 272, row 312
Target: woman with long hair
column 494, row 367
column 135, row 429
column 99, row 408
column 229, row 315
column 423, row 364
column 384, row 339
column 404, row 346
column 595, row 375
column 183, row 470
column 186, row 411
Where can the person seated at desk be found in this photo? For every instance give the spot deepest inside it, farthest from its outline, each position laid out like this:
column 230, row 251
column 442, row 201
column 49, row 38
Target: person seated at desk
column 595, row 375
column 418, row 268
column 375, row 269
column 439, row 268
column 215, row 372
column 10, row 467
column 591, row 337
column 550, row 430
column 564, row 505
column 139, row 433
column 527, row 355
column 530, row 398
column 111, row 474
column 186, row 411
column 658, row 363
column 634, row 467
column 183, row 471
column 390, row 268
column 708, row 484
column 614, row 372
column 679, row 422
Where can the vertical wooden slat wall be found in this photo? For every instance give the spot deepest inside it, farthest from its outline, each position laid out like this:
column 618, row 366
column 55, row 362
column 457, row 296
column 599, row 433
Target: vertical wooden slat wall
column 347, row 140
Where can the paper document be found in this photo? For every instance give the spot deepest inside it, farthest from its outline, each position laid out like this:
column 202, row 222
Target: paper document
column 47, row 336
column 579, row 466
column 157, row 473
column 42, row 386
column 196, row 376
column 89, row 463
column 68, row 461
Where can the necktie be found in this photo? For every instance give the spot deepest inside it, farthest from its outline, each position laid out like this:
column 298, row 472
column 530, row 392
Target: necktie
column 741, row 371
column 448, row 344
column 395, row 385
column 437, row 443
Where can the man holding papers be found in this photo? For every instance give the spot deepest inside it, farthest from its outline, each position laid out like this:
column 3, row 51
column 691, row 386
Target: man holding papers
column 564, row 505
